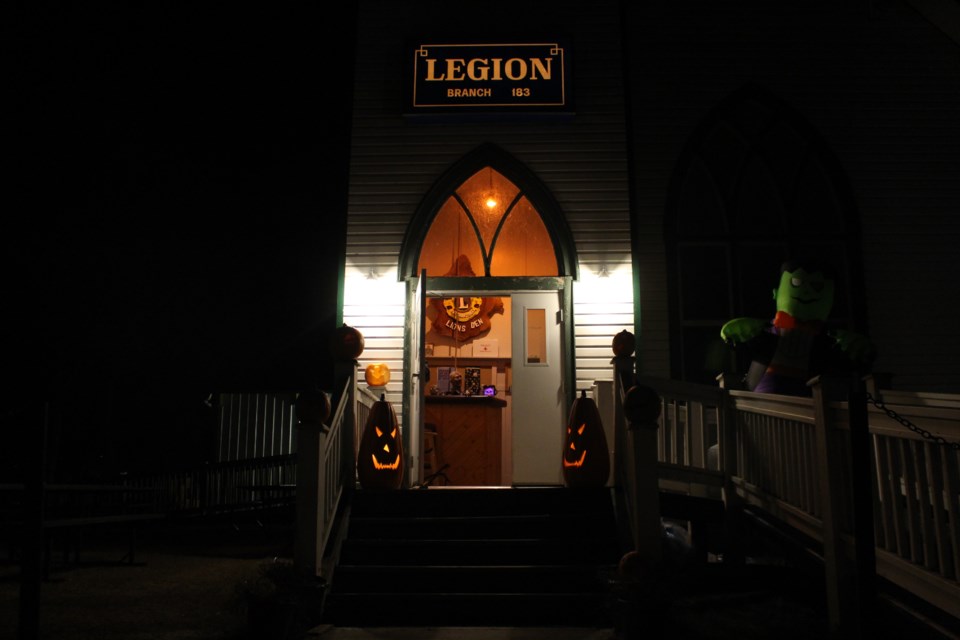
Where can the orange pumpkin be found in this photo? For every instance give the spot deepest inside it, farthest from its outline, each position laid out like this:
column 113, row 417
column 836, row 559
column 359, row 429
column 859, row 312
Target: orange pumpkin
column 346, row 343
column 641, row 407
column 313, row 408
column 624, row 343
column 380, row 455
column 377, row 374
column 586, row 458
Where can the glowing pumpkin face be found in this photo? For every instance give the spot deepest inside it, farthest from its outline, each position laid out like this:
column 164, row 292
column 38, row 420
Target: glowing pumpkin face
column 388, row 451
column 574, row 456
column 380, row 454
column 586, row 458
column 377, row 374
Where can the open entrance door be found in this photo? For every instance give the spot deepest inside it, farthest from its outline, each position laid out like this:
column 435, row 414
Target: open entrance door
column 417, row 376
column 493, row 411
column 538, row 399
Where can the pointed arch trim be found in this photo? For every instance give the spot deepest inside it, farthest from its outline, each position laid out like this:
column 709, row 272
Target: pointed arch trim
column 489, row 155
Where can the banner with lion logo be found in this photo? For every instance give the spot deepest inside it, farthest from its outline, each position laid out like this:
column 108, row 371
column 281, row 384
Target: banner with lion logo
column 464, row 317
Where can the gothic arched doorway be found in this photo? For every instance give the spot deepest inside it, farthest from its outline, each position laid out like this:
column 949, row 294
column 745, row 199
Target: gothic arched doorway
column 489, row 260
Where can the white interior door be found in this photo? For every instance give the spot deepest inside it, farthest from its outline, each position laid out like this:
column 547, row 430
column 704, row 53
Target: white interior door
column 417, row 371
column 537, row 398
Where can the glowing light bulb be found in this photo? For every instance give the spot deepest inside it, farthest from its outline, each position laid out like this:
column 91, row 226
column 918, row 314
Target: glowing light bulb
column 491, row 203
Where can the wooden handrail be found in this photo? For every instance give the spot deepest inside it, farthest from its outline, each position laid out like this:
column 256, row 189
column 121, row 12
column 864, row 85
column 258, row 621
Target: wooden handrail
column 331, row 469
column 326, row 473
column 771, row 454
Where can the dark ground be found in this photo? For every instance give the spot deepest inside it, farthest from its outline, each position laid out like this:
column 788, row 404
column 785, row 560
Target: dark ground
column 185, row 583
column 188, row 582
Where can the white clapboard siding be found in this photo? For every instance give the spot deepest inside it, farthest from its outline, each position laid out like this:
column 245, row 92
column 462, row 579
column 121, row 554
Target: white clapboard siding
column 376, row 306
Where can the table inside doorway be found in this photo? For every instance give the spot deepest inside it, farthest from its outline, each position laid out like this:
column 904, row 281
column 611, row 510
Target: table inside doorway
column 468, row 437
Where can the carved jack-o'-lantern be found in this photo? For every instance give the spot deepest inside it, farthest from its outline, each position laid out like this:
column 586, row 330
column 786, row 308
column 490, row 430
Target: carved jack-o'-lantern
column 380, row 455
column 586, row 458
column 377, row 374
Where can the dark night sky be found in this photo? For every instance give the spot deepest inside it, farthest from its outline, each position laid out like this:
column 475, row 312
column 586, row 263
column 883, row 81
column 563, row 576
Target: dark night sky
column 179, row 201
column 179, row 185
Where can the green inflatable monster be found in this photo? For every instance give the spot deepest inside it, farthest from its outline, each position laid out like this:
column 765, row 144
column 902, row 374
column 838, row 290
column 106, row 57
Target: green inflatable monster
column 798, row 345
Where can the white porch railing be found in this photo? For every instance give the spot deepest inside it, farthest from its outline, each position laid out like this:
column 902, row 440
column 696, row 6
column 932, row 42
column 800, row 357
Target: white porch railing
column 327, row 472
column 221, row 487
column 364, row 401
column 792, row 457
column 334, row 460
column 917, row 493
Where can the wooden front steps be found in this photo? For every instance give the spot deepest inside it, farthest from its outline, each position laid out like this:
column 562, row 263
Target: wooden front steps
column 477, row 557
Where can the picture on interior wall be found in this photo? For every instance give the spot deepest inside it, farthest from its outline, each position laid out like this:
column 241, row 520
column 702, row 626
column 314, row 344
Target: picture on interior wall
column 471, row 384
column 486, row 348
column 443, row 380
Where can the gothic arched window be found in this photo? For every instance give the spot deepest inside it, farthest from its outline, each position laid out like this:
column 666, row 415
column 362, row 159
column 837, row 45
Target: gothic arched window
column 497, row 213
column 489, row 220
column 754, row 187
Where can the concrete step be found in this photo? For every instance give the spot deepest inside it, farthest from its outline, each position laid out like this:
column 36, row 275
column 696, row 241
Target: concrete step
column 469, row 557
column 543, row 526
column 471, row 610
column 505, row 551
column 561, row 579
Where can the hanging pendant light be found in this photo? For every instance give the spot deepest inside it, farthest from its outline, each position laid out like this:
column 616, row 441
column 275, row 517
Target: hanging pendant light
column 490, row 201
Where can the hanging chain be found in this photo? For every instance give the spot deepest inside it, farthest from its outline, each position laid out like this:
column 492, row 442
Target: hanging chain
column 912, row 427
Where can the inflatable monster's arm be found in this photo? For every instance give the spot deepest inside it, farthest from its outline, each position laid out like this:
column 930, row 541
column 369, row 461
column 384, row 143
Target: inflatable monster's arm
column 855, row 346
column 741, row 330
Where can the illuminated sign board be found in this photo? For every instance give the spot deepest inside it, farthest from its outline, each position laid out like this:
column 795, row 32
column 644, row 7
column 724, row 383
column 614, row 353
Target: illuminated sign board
column 450, row 78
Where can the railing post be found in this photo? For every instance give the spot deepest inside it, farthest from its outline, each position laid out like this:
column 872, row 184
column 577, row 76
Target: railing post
column 839, row 572
column 31, row 560
column 641, row 406
column 345, row 378
column 604, row 395
column 728, row 461
column 875, row 381
column 312, row 411
column 621, row 493
column 861, row 475
column 623, row 369
column 623, row 376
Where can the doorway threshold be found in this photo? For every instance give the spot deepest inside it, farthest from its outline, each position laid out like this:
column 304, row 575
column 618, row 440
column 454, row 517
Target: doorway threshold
column 466, row 486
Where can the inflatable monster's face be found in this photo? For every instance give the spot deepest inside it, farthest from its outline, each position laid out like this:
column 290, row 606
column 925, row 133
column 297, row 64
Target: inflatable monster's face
column 805, row 296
